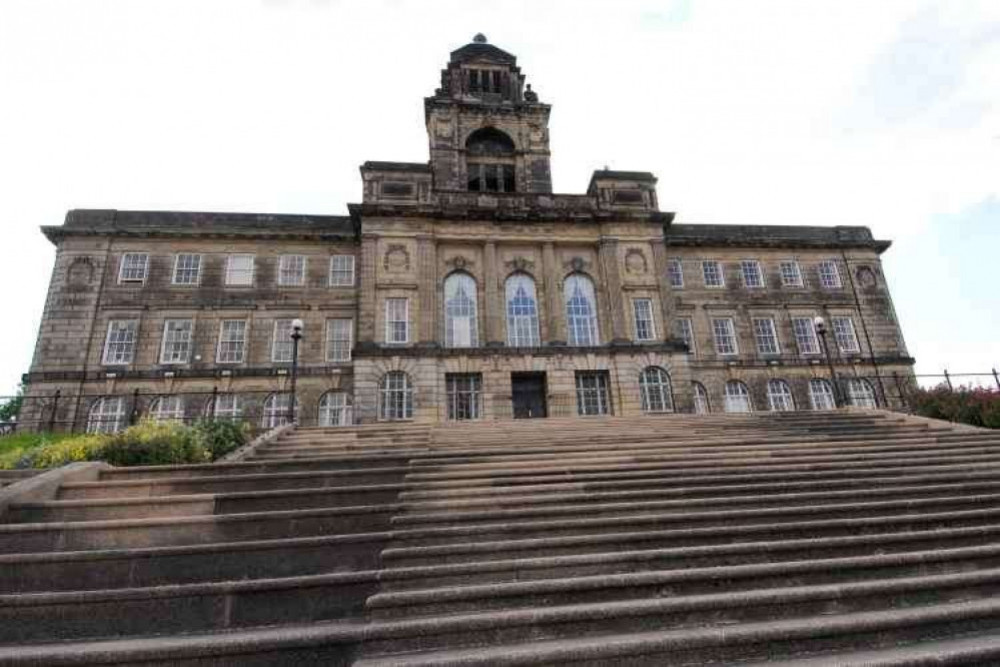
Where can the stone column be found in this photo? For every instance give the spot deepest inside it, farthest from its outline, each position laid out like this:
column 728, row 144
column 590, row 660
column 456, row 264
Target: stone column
column 666, row 291
column 613, row 297
column 493, row 311
column 427, row 327
column 553, row 304
column 367, row 302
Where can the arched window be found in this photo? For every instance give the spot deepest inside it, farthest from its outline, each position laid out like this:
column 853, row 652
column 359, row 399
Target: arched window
column 522, row 311
column 737, row 397
column 821, row 394
column 779, row 396
column 654, row 388
column 490, row 161
column 861, row 393
column 395, row 396
column 167, row 408
column 224, row 406
column 581, row 310
column 460, row 315
column 701, row 404
column 107, row 415
column 334, row 410
column 276, row 410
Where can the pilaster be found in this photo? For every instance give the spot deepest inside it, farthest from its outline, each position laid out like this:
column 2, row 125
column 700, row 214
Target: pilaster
column 553, row 304
column 493, row 312
column 427, row 290
column 611, row 277
column 367, row 301
column 666, row 292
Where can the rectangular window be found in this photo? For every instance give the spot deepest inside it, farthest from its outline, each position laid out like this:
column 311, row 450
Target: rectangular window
column 281, row 342
column 232, row 342
column 133, row 268
column 342, row 271
column 675, row 273
column 592, row 393
column 685, row 331
column 239, row 270
column 338, row 339
column 187, row 269
column 752, row 275
column 829, row 275
column 805, row 335
column 644, row 327
column 725, row 336
column 765, row 335
column 177, row 335
column 464, row 393
column 291, row 270
column 397, row 322
column 119, row 346
column 843, row 332
column 712, row 273
column 791, row 276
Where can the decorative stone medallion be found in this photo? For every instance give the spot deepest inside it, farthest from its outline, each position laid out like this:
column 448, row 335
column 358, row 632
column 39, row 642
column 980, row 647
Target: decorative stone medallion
column 397, row 259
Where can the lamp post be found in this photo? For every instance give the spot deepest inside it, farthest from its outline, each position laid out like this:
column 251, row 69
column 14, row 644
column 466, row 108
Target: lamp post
column 296, row 337
column 820, row 325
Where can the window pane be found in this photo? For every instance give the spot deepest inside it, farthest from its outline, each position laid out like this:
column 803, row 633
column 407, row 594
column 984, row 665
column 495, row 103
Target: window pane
column 334, row 410
column 712, row 274
column 133, row 267
column 805, row 335
column 522, row 311
column 779, row 396
column 675, row 273
column 684, row 330
column 765, row 335
column 119, row 346
column 725, row 336
column 464, row 395
column 592, row 393
column 239, row 270
column 461, row 328
column 654, row 390
column 737, row 397
column 396, row 320
column 829, row 275
column 701, row 404
column 291, row 270
column 752, row 276
column 342, row 271
column 821, row 394
column 339, row 334
column 187, row 269
column 176, row 341
column 395, row 396
column 643, row 311
column 107, row 415
column 791, row 276
column 232, row 341
column 282, row 345
column 843, row 332
column 581, row 311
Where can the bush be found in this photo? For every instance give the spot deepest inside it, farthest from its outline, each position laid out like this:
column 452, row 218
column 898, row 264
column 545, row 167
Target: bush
column 146, row 443
column 966, row 405
column 14, row 447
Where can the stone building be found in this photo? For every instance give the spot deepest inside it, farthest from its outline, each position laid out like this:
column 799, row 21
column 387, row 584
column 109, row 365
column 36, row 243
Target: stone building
column 460, row 288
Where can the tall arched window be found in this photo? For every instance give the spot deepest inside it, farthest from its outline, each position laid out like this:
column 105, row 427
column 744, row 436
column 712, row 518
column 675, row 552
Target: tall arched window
column 168, row 408
column 737, row 397
column 224, row 406
column 276, row 410
column 779, row 396
column 861, row 393
column 333, row 409
column 821, row 394
column 581, row 310
column 490, row 161
column 654, row 388
column 460, row 315
column 107, row 415
column 701, row 404
column 522, row 311
column 395, row 396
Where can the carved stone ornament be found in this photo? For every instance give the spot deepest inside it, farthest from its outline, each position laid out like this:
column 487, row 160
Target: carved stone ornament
column 520, row 263
column 397, row 259
column 80, row 273
column 866, row 276
column 635, row 261
column 578, row 264
column 459, row 263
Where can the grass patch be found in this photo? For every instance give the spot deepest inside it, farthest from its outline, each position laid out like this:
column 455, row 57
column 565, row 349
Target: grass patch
column 13, row 447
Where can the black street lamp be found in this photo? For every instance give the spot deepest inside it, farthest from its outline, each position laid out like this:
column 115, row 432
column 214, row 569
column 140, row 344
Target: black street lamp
column 296, row 337
column 820, row 326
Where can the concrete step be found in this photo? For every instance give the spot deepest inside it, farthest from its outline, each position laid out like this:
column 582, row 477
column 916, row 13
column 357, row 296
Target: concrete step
column 578, row 588
column 886, row 631
column 268, row 481
column 464, row 544
column 683, row 612
column 135, row 533
column 201, row 505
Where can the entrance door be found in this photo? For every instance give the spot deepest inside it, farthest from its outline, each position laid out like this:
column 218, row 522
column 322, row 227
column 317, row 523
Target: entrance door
column 528, row 394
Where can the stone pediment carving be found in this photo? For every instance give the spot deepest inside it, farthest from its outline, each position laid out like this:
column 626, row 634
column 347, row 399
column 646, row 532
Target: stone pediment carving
column 520, row 263
column 577, row 264
column 396, row 259
column 459, row 263
column 635, row 262
column 80, row 274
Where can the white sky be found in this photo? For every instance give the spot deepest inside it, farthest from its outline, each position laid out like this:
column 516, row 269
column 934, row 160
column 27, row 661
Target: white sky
column 881, row 113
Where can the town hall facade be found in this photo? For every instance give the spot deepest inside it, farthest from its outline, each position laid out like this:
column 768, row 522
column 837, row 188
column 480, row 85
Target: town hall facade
column 461, row 288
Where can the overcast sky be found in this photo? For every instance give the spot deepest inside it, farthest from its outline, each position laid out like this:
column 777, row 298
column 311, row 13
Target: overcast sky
column 863, row 112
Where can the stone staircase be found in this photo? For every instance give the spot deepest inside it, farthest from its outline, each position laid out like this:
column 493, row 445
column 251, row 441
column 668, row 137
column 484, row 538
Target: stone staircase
column 847, row 538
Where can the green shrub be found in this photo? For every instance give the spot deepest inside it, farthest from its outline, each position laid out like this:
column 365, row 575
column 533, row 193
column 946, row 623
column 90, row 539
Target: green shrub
column 966, row 405
column 14, row 447
column 153, row 443
column 67, row 450
column 220, row 437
